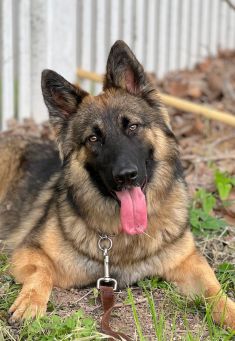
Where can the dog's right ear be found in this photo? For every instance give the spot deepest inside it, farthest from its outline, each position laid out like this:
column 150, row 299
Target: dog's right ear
column 61, row 97
column 62, row 100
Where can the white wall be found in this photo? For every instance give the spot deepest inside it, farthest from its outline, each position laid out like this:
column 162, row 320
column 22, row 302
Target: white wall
column 62, row 35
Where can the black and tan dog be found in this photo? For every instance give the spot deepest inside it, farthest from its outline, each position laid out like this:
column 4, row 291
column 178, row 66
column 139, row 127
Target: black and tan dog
column 120, row 175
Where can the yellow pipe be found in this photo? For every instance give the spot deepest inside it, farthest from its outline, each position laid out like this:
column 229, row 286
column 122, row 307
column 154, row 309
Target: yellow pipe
column 175, row 102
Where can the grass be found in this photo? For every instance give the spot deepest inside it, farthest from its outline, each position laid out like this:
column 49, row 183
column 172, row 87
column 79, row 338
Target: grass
column 165, row 322
column 53, row 327
column 172, row 318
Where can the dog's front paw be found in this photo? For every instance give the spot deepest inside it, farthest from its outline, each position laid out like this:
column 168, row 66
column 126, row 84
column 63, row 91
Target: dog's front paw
column 29, row 304
column 224, row 312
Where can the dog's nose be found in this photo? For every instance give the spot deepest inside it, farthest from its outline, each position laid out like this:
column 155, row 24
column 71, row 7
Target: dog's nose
column 127, row 175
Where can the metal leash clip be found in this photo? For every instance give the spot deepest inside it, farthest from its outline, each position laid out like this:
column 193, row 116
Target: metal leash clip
column 105, row 240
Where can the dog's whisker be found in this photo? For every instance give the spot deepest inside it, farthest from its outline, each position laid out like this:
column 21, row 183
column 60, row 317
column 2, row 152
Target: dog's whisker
column 148, row 235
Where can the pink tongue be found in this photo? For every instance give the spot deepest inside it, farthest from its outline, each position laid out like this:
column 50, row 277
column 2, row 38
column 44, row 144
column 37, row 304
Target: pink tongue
column 133, row 210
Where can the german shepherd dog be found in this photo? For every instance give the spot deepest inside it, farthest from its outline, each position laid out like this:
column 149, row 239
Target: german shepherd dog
column 116, row 171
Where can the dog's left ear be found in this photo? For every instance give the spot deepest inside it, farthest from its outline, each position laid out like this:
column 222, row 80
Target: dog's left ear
column 123, row 70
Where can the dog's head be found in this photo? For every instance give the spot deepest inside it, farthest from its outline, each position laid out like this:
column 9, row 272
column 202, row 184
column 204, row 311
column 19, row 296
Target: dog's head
column 119, row 137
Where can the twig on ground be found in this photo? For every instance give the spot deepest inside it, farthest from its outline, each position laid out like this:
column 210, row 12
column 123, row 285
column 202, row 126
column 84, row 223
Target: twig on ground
column 196, row 158
column 81, row 298
column 121, row 305
column 222, row 139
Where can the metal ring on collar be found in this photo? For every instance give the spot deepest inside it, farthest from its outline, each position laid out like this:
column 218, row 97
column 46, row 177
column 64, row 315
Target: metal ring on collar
column 101, row 240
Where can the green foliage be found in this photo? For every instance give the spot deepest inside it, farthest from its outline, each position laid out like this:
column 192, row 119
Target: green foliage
column 53, row 327
column 201, row 218
column 224, row 184
column 8, row 289
column 206, row 199
column 203, row 223
column 153, row 283
column 200, row 215
column 226, row 275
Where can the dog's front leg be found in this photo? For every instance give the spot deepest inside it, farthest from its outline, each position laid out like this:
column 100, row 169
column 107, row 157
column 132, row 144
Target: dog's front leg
column 32, row 268
column 193, row 277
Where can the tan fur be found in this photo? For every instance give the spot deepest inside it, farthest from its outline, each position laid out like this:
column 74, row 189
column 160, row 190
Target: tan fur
column 35, row 270
column 11, row 152
column 193, row 277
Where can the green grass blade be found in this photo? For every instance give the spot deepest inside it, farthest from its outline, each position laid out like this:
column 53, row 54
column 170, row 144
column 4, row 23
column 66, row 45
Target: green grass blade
column 135, row 315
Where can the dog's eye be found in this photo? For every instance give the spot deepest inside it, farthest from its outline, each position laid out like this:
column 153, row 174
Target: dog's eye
column 133, row 127
column 93, row 138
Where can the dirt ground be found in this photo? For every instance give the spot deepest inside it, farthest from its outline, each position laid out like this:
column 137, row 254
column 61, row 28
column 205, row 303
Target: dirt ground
column 203, row 143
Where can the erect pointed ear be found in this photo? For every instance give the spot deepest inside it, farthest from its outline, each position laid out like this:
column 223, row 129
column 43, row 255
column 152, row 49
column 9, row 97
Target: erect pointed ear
column 61, row 97
column 123, row 70
column 62, row 100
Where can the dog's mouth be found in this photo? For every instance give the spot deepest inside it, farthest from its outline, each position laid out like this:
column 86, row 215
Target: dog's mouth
column 133, row 208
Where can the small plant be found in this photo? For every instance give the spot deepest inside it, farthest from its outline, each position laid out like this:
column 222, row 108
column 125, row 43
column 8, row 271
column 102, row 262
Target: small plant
column 226, row 275
column 49, row 328
column 200, row 215
column 206, row 199
column 224, row 184
column 203, row 223
column 153, row 283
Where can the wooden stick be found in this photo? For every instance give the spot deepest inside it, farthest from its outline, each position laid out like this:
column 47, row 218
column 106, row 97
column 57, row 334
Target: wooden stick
column 175, row 102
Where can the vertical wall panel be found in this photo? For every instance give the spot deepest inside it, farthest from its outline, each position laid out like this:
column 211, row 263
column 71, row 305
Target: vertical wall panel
column 61, row 37
column 156, row 39
column 79, row 31
column 223, row 25
column 174, row 32
column 134, row 24
column 100, row 47
column 230, row 29
column 24, row 96
column 185, row 29
column 194, row 39
column 108, row 26
column 129, row 22
column 139, row 29
column 121, row 19
column 150, row 25
column 86, row 39
column 7, row 62
column 114, row 19
column 145, row 33
column 163, row 37
column 38, row 56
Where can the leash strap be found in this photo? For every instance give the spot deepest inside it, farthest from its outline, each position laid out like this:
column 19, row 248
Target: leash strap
column 107, row 292
column 108, row 301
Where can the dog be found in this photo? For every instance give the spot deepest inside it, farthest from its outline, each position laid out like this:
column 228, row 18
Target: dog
column 115, row 170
